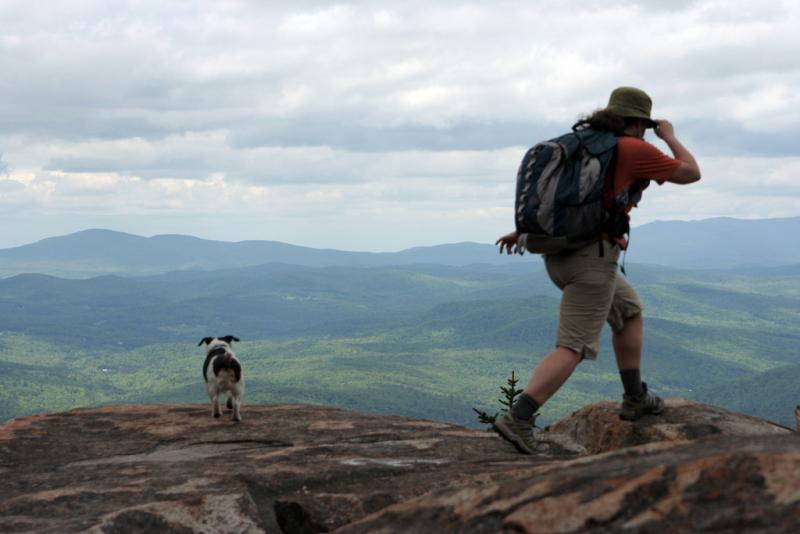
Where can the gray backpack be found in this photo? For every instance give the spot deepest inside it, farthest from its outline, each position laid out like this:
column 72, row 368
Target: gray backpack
column 559, row 204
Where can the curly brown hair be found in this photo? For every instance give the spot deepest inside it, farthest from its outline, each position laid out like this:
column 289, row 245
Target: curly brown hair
column 603, row 120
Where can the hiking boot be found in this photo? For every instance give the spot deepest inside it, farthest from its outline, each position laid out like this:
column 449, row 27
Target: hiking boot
column 517, row 432
column 634, row 408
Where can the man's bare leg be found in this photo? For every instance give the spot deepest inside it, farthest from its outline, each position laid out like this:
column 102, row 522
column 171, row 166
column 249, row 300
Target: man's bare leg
column 551, row 373
column 628, row 343
column 628, row 351
column 516, row 426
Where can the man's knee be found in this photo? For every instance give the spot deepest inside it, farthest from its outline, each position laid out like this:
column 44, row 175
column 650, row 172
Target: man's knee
column 634, row 320
column 570, row 353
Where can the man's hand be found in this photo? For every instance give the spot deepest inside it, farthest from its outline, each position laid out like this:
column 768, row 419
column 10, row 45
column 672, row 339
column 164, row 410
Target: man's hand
column 689, row 171
column 664, row 129
column 509, row 242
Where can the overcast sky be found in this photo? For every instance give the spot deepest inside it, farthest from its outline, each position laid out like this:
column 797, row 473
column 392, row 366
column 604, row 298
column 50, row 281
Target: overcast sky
column 372, row 125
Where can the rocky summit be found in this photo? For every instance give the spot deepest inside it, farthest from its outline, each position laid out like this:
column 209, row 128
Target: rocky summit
column 299, row 468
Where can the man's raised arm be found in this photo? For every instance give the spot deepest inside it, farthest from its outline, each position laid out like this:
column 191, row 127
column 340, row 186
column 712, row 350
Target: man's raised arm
column 689, row 171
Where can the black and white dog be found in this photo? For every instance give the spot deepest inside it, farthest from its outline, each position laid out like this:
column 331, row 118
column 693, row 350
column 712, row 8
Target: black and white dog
column 223, row 374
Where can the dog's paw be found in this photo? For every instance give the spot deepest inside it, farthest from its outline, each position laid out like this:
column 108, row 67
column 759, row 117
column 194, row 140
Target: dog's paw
column 237, row 419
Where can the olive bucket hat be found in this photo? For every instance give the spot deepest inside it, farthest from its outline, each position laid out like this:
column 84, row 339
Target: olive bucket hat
column 631, row 102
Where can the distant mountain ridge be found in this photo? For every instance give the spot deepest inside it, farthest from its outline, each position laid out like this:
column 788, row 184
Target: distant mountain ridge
column 718, row 243
column 709, row 244
column 98, row 251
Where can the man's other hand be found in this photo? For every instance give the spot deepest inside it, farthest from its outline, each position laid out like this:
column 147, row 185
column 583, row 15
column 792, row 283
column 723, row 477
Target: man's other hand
column 508, row 242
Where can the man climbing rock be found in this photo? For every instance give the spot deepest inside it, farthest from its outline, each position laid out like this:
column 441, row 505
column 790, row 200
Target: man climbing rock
column 593, row 291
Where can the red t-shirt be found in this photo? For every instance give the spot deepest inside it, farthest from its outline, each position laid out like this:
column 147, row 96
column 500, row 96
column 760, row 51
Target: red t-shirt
column 638, row 160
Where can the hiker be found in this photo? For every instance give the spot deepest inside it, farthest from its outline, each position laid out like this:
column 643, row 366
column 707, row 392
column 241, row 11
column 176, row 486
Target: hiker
column 593, row 292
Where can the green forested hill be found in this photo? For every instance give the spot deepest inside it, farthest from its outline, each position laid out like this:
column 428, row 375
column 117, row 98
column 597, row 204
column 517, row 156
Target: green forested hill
column 424, row 341
column 771, row 395
column 272, row 301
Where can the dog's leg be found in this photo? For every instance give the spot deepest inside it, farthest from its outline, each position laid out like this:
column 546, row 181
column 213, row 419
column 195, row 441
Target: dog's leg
column 237, row 403
column 230, row 402
column 215, row 409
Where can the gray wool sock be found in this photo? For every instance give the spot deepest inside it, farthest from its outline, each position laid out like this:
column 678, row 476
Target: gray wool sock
column 525, row 407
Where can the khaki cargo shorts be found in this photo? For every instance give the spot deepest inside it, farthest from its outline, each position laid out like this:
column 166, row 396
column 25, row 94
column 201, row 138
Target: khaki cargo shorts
column 593, row 292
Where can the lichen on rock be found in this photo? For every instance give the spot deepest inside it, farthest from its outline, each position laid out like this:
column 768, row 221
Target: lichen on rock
column 297, row 468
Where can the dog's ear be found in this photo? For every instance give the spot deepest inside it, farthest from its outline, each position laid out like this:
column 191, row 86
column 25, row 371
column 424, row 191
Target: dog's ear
column 205, row 340
column 229, row 339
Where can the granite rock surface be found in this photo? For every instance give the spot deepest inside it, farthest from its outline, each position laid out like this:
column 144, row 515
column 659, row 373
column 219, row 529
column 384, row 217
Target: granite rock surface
column 302, row 468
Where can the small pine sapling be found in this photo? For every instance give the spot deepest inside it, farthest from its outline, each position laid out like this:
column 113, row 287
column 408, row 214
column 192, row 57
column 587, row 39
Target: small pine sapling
column 484, row 418
column 510, row 394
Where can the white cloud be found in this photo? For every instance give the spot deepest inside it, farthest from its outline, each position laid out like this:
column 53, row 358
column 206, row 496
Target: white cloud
column 419, row 111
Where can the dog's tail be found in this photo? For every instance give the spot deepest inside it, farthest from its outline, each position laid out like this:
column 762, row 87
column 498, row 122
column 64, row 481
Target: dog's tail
column 227, row 361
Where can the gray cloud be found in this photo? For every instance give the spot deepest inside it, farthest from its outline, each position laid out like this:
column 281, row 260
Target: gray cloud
column 369, row 104
column 729, row 138
column 369, row 76
column 10, row 186
column 339, row 134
